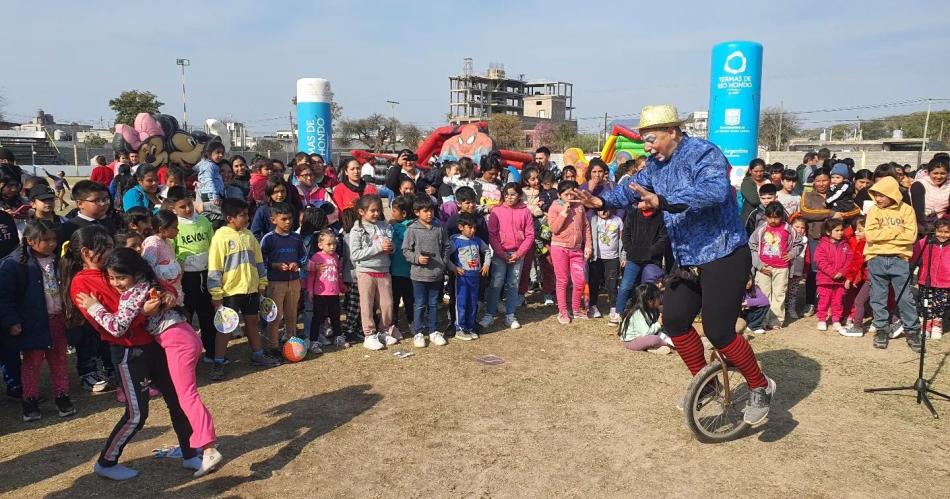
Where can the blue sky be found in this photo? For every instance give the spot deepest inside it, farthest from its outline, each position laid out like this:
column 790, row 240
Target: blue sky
column 71, row 58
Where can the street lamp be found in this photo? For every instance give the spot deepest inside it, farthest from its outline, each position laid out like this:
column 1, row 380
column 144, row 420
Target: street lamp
column 184, row 104
column 394, row 104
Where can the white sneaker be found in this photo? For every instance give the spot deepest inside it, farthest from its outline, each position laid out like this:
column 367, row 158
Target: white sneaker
column 936, row 334
column 390, row 340
column 437, row 339
column 372, row 342
column 512, row 322
column 836, row 326
column 419, row 340
column 486, row 321
column 758, row 331
column 872, row 329
column 548, row 300
column 594, row 313
column 822, row 326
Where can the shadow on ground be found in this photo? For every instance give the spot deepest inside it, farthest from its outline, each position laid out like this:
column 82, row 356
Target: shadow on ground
column 302, row 422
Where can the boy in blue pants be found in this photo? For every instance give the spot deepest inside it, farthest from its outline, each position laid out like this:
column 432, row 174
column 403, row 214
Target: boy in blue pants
column 470, row 258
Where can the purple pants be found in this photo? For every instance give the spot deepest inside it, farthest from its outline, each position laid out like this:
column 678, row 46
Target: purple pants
column 644, row 343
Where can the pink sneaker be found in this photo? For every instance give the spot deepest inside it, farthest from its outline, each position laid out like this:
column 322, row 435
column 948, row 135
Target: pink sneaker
column 580, row 315
column 563, row 319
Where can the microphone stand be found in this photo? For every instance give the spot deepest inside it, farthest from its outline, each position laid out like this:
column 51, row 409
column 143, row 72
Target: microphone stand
column 921, row 385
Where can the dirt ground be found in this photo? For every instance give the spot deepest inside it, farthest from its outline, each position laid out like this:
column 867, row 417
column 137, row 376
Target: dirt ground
column 569, row 413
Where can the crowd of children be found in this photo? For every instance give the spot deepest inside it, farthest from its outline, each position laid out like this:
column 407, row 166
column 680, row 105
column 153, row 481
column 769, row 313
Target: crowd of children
column 113, row 277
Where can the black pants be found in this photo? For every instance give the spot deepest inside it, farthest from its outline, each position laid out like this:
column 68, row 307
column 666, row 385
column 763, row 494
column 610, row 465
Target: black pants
column 90, row 350
column 324, row 307
column 135, row 367
column 604, row 273
column 402, row 290
column 718, row 292
column 198, row 300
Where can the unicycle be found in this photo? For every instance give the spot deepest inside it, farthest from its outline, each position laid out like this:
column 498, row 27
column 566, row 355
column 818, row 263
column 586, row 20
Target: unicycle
column 715, row 401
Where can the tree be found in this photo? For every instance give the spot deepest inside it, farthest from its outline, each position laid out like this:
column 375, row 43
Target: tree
column 132, row 102
column 543, row 134
column 336, row 111
column 2, row 102
column 411, row 135
column 374, row 131
column 265, row 145
column 777, row 126
column 506, row 130
column 92, row 140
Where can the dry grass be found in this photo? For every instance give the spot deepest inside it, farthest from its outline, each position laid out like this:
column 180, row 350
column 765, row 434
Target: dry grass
column 570, row 413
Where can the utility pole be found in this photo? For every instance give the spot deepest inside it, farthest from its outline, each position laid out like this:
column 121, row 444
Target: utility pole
column 603, row 135
column 293, row 134
column 940, row 136
column 926, row 124
column 393, row 104
column 781, row 114
column 184, row 101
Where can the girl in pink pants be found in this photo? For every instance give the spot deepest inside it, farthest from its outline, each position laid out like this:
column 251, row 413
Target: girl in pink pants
column 132, row 276
column 570, row 249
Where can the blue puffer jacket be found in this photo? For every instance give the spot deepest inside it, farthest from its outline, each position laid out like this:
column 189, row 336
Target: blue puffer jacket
column 23, row 302
column 698, row 203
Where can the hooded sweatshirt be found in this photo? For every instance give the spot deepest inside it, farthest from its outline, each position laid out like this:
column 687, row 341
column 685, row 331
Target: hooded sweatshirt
column 644, row 237
column 890, row 231
column 833, row 257
column 934, row 263
column 511, row 230
column 432, row 241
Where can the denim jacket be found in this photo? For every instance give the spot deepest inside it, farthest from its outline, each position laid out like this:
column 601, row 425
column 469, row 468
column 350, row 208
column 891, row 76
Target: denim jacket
column 210, row 182
column 698, row 203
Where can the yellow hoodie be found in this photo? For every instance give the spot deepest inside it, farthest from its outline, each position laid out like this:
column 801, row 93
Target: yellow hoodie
column 891, row 230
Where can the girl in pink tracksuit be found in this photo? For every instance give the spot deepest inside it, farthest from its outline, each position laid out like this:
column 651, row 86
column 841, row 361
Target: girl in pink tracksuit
column 832, row 256
column 934, row 276
column 570, row 249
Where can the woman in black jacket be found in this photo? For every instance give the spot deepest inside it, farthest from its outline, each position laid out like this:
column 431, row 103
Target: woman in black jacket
column 644, row 242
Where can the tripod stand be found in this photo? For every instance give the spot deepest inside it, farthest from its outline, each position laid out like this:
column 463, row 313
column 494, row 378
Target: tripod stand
column 921, row 385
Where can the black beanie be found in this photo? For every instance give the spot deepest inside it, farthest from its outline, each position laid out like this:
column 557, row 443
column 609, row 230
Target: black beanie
column 7, row 155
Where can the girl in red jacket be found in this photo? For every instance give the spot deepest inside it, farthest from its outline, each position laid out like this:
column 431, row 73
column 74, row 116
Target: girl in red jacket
column 856, row 283
column 934, row 276
column 136, row 356
column 832, row 256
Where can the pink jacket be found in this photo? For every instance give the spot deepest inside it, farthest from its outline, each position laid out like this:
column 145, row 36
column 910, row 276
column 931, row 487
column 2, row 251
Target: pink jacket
column 571, row 232
column 936, row 264
column 329, row 280
column 510, row 229
column 832, row 258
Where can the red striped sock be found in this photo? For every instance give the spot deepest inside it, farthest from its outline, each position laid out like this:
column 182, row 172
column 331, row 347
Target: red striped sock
column 741, row 355
column 690, row 348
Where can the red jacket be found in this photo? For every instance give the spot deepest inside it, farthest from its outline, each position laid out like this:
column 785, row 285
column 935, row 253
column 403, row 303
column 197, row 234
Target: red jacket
column 95, row 283
column 936, row 264
column 344, row 197
column 832, row 258
column 857, row 269
column 102, row 175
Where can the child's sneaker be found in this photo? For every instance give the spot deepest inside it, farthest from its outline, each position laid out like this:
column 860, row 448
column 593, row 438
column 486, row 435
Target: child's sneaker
column 662, row 350
column 315, row 348
column 548, row 300
column 371, row 342
column 851, row 332
column 217, row 371
column 340, row 341
column 395, row 332
column 473, row 334
column 387, row 339
column 31, row 410
column 897, row 332
column 463, row 335
column 580, row 315
column 486, row 321
column 809, row 311
column 564, row 319
column 880, row 338
column 94, row 382
column 822, row 326
column 594, row 313
column 419, row 340
column 836, row 326
column 65, row 406
column 512, row 322
column 614, row 317
column 437, row 339
column 758, row 331
column 263, row 360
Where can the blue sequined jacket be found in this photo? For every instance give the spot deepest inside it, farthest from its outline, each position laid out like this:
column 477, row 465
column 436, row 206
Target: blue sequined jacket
column 698, row 203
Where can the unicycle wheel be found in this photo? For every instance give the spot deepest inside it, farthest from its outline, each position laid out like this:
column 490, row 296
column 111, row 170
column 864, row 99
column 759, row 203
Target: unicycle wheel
column 712, row 414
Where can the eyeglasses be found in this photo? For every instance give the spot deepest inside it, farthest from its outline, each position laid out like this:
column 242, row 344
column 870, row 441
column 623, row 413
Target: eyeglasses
column 97, row 200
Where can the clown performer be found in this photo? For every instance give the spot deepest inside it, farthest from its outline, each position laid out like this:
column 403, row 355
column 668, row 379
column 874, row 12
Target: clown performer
column 688, row 180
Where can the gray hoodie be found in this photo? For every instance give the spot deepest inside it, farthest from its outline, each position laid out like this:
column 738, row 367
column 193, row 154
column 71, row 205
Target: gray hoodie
column 433, row 242
column 366, row 246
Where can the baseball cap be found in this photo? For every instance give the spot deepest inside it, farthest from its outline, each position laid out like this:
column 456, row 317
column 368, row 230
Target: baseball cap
column 41, row 192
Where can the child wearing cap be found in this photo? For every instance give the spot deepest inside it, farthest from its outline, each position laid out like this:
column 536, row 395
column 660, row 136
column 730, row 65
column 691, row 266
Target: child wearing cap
column 841, row 193
column 43, row 201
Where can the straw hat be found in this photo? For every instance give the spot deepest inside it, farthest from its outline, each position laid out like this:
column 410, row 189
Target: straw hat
column 663, row 115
